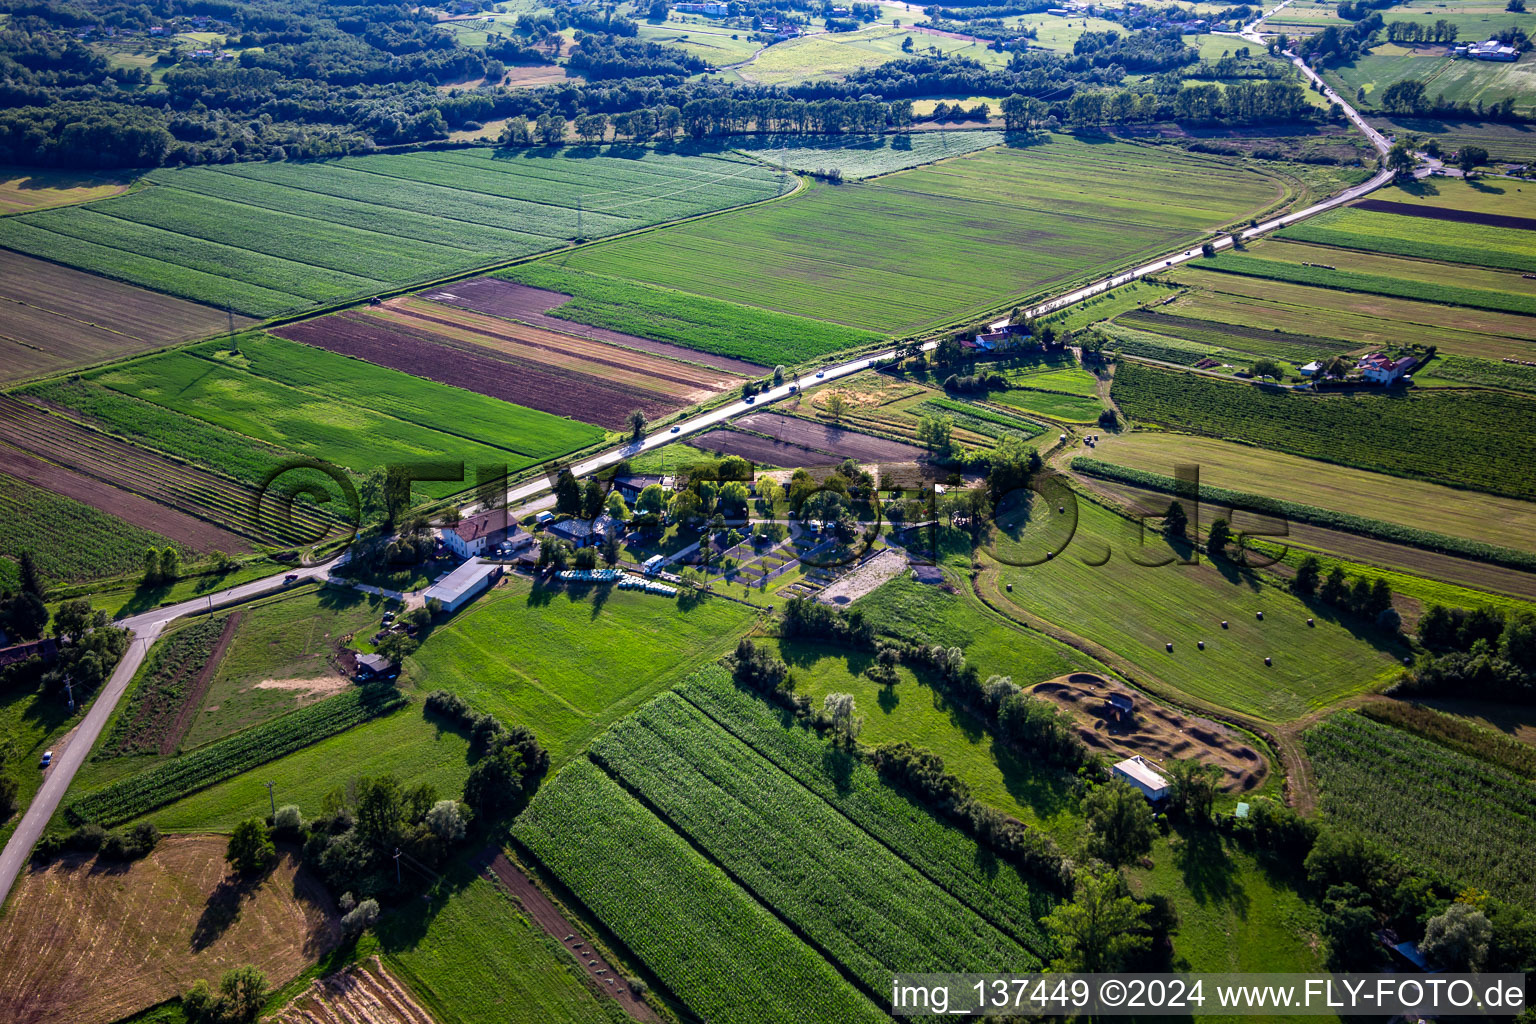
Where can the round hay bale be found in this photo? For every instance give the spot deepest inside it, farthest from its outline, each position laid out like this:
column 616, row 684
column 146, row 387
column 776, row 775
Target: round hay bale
column 1310, row 623
column 1010, row 588
column 1200, row 644
column 1267, row 661
column 1259, row 615
column 1170, row 648
column 1223, row 623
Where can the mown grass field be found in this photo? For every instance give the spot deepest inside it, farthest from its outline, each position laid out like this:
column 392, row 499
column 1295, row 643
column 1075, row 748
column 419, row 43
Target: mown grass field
column 1444, row 812
column 279, row 658
column 70, row 541
column 1480, row 440
column 567, row 663
column 267, row 239
column 23, row 189
column 476, row 957
column 403, row 744
column 345, row 411
column 702, row 935
column 947, row 242
column 866, row 156
column 1459, row 80
column 1515, row 142
column 1133, row 610
column 830, row 56
column 1414, row 503
column 913, row 711
column 1418, row 237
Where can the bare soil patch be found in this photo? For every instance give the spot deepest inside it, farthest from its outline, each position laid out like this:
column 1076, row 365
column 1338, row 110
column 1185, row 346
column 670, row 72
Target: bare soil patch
column 1492, row 220
column 865, row 578
column 1155, row 732
column 535, row 74
column 316, row 686
column 548, row 916
column 87, row 942
column 760, row 449
column 497, row 297
column 845, row 444
column 361, row 994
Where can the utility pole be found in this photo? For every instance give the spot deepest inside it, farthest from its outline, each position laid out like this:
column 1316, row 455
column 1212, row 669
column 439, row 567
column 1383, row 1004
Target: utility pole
column 70, row 690
column 271, row 799
column 398, row 880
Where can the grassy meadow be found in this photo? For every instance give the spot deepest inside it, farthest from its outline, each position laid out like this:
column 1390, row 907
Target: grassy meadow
column 830, row 56
column 866, row 156
column 1105, row 586
column 935, row 244
column 568, row 662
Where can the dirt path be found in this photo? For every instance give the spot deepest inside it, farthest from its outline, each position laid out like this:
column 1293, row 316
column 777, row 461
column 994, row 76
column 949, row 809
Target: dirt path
column 200, row 685
column 548, row 916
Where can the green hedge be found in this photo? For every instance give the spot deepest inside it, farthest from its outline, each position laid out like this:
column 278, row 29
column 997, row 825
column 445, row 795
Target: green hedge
column 1375, row 529
column 138, row 794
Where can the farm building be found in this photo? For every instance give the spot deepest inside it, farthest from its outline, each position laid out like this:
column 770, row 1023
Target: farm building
column 478, row 534
column 629, row 485
column 373, row 666
column 1383, row 369
column 47, row 649
column 1489, row 49
column 710, row 10
column 579, row 532
column 1140, row 773
column 461, row 586
column 1310, row 369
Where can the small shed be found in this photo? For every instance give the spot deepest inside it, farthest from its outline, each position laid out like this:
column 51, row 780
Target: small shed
column 1140, row 773
column 461, row 586
column 374, row 666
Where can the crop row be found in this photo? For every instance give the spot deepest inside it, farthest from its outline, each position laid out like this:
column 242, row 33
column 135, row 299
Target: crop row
column 139, row 794
column 995, row 890
column 1372, row 284
column 1298, row 348
column 1279, row 508
column 70, row 541
column 694, row 321
column 1484, row 441
column 161, row 689
column 839, row 886
column 1421, row 237
column 983, row 420
column 713, row 946
column 1487, row 372
column 1441, row 810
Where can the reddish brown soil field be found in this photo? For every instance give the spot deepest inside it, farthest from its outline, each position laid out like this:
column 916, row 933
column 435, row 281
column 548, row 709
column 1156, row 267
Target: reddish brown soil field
column 422, row 353
column 1153, row 731
column 548, row 916
column 1492, row 220
column 761, row 450
column 361, row 994
column 845, row 444
column 127, row 506
column 501, row 298
column 53, row 318
column 109, row 460
column 88, row 942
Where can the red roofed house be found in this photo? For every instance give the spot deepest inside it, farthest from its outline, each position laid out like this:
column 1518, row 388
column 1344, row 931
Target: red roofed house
column 1383, row 369
column 477, row 534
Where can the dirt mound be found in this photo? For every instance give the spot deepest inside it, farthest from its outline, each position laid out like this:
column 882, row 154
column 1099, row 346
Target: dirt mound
column 1155, row 732
column 366, row 994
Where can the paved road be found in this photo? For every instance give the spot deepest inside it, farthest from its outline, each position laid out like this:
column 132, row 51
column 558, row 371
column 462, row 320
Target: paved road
column 148, row 626
column 145, row 629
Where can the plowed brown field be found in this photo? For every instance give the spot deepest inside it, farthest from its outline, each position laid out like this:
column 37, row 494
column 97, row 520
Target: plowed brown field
column 364, row 994
column 88, row 942
column 845, row 444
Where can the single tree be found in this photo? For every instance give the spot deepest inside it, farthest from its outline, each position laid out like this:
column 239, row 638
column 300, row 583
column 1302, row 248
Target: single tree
column 1175, row 522
column 152, row 566
column 837, row 405
column 1120, row 820
column 250, row 847
column 637, row 423
column 567, row 494
column 1267, row 368
column 1469, row 158
column 1458, row 939
column 778, row 375
column 1216, row 542
column 1307, row 575
column 170, row 565
column 846, row 722
column 360, row 917
column 1195, row 784
column 73, row 619
column 1099, row 928
column 1207, row 250
column 31, row 580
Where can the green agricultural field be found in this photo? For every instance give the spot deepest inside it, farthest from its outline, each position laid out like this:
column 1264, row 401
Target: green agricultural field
column 1459, row 80
column 829, row 56
column 999, row 892
column 476, row 958
column 1412, row 503
column 70, row 541
column 1441, row 811
column 1445, row 437
column 712, row 944
column 952, row 241
column 1481, row 195
column 1420, row 237
column 1100, row 588
column 1109, row 304
column 1516, row 142
column 837, row 885
column 1483, row 372
column 1299, row 322
column 865, row 156
column 917, row 713
column 709, row 325
column 268, row 239
column 280, row 656
column 567, row 663
column 708, row 40
column 1053, row 32
column 344, row 411
column 1066, row 408
column 1187, row 332
column 403, row 744
column 1148, row 345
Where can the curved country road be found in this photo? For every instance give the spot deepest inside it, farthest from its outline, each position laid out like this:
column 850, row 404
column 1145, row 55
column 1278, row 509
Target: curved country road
column 147, row 627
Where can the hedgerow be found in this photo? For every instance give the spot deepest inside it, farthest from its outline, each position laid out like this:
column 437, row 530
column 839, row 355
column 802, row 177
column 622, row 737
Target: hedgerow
column 138, row 794
column 1279, row 508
